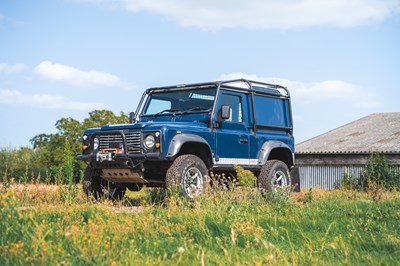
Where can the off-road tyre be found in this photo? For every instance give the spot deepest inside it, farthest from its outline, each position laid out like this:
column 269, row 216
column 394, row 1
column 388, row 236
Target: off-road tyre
column 189, row 175
column 274, row 174
column 91, row 183
column 94, row 186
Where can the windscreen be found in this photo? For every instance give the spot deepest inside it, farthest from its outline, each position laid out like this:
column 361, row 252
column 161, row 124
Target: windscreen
column 193, row 100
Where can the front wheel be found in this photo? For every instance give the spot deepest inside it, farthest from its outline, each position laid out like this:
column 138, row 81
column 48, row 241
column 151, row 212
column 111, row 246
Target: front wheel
column 274, row 174
column 189, row 173
column 94, row 185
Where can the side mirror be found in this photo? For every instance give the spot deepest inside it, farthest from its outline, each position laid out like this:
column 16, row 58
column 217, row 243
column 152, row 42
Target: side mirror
column 225, row 112
column 132, row 117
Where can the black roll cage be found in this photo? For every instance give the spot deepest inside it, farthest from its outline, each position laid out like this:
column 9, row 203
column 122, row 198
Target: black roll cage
column 250, row 86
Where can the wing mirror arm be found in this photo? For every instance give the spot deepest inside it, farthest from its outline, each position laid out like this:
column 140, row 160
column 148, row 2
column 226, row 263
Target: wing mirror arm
column 132, row 117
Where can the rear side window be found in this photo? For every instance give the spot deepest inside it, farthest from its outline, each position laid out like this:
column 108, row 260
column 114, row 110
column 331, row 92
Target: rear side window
column 273, row 112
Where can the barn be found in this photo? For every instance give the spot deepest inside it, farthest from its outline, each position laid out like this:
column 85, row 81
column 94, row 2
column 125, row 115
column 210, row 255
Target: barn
column 324, row 160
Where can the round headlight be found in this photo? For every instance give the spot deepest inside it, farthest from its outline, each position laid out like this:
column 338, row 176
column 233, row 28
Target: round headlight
column 149, row 141
column 95, row 143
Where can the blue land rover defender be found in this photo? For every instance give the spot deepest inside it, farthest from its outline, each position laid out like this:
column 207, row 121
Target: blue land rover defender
column 180, row 133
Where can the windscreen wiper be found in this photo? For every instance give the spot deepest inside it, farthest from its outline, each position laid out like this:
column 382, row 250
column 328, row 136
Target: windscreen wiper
column 197, row 108
column 171, row 111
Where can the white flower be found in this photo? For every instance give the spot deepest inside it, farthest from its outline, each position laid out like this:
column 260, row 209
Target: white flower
column 181, row 250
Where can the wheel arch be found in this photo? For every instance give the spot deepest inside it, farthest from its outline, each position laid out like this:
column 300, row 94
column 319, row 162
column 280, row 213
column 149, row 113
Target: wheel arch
column 190, row 144
column 276, row 150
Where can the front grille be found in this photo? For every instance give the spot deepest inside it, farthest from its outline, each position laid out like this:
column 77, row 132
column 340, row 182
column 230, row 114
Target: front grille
column 133, row 142
column 110, row 141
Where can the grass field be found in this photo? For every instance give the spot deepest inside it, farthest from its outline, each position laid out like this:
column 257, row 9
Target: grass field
column 50, row 225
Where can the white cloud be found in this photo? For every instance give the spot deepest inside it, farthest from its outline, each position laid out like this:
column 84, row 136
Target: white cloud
column 75, row 76
column 9, row 69
column 264, row 14
column 312, row 92
column 14, row 97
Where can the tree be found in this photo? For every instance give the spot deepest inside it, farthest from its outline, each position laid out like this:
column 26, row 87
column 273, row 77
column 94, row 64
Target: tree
column 40, row 140
column 69, row 128
column 99, row 118
column 50, row 148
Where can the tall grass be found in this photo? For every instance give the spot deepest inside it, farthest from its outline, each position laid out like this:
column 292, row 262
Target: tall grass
column 40, row 226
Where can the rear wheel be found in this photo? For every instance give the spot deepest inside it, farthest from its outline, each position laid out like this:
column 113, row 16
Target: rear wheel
column 189, row 173
column 274, row 174
column 94, row 185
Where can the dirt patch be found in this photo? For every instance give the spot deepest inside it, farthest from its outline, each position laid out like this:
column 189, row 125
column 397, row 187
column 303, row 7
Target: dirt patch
column 33, row 187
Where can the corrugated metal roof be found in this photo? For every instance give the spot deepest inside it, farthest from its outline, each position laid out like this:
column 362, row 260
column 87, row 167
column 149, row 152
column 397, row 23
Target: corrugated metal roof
column 377, row 132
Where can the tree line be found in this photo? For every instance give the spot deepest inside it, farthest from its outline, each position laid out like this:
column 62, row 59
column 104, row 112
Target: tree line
column 51, row 156
column 51, row 159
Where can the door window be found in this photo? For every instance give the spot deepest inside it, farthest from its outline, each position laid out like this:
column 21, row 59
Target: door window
column 235, row 102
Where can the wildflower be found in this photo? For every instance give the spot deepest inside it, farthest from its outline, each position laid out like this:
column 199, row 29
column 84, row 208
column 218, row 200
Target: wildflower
column 181, row 250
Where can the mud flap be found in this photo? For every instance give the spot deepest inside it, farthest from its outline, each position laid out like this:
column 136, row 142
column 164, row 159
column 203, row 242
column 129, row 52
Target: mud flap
column 295, row 179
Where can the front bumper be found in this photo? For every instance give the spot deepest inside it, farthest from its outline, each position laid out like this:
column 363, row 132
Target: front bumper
column 100, row 157
column 120, row 168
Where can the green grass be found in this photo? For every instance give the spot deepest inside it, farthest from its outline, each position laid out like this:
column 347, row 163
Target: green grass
column 41, row 225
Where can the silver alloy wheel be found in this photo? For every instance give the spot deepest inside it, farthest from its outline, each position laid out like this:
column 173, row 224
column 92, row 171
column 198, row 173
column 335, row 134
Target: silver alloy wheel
column 279, row 179
column 193, row 182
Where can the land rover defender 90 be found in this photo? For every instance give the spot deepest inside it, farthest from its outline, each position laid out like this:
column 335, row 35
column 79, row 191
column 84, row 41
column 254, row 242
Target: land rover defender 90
column 180, row 133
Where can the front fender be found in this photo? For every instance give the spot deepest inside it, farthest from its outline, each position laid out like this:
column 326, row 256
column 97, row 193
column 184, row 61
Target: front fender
column 268, row 146
column 177, row 142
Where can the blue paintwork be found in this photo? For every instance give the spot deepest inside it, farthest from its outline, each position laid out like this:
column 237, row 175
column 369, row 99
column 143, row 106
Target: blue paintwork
column 232, row 138
column 226, row 139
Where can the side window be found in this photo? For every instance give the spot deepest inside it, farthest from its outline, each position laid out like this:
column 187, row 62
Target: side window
column 271, row 111
column 235, row 102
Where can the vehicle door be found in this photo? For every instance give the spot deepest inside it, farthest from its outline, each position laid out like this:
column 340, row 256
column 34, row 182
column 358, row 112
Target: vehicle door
column 232, row 133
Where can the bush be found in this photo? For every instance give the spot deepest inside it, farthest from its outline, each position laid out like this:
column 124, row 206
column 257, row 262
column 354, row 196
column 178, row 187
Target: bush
column 379, row 172
column 21, row 164
column 349, row 182
column 245, row 177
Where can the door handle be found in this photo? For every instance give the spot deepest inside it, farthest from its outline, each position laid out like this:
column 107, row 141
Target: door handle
column 244, row 140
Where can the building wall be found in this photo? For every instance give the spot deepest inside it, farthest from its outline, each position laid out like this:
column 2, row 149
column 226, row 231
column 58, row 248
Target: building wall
column 326, row 176
column 326, row 171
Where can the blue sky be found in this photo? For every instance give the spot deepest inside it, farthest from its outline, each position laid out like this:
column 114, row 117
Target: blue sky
column 340, row 59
